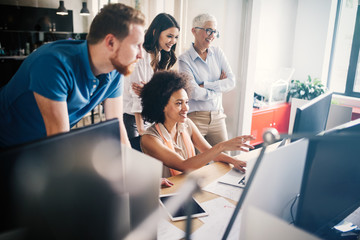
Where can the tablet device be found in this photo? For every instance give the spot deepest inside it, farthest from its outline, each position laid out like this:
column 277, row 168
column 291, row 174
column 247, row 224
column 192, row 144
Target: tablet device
column 197, row 210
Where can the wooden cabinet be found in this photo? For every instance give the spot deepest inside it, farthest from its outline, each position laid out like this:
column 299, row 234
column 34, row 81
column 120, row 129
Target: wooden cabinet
column 276, row 116
column 355, row 113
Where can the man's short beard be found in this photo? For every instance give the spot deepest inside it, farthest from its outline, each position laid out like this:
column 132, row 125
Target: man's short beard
column 121, row 68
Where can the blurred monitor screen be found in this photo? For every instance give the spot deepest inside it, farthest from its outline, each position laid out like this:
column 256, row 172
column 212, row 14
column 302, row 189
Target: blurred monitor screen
column 329, row 190
column 66, row 178
column 311, row 118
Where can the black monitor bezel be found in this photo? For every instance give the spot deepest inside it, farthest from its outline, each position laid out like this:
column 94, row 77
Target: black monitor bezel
column 302, row 121
column 327, row 227
column 11, row 158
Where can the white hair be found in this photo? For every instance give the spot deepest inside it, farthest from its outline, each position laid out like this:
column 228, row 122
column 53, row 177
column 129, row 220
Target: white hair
column 200, row 20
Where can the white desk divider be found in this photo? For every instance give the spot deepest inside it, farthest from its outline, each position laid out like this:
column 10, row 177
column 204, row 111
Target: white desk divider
column 260, row 225
column 277, row 182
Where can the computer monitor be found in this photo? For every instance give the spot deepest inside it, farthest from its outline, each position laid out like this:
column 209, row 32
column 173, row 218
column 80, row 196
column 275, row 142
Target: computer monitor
column 311, row 118
column 142, row 182
column 63, row 186
column 277, row 182
column 351, row 127
column 331, row 179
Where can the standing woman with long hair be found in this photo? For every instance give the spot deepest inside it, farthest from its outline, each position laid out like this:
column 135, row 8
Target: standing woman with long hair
column 159, row 45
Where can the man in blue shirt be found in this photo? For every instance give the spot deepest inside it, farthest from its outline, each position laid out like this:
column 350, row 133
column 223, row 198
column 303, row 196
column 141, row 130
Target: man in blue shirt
column 62, row 81
column 211, row 76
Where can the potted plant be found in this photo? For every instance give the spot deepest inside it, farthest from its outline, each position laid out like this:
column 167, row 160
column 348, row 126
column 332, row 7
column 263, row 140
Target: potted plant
column 300, row 92
column 309, row 89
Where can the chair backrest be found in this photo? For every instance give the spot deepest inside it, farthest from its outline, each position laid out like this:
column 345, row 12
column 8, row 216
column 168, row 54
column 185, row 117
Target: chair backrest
column 135, row 143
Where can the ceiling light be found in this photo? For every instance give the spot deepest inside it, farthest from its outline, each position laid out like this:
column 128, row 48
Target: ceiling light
column 62, row 10
column 84, row 11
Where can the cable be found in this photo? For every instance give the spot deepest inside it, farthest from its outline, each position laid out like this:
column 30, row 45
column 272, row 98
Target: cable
column 291, row 208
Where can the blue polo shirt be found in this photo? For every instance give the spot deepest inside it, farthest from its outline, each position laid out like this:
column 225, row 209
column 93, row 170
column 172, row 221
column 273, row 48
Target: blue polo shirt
column 59, row 71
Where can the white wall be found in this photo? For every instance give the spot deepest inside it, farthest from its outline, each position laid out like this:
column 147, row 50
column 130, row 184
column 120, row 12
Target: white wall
column 293, row 33
column 290, row 33
column 247, row 66
column 232, row 36
column 268, row 46
column 313, row 37
column 275, row 41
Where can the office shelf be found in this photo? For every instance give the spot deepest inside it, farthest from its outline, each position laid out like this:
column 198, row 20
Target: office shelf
column 275, row 116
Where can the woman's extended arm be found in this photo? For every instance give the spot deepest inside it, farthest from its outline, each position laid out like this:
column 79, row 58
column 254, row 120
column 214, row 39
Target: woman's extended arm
column 239, row 142
column 155, row 148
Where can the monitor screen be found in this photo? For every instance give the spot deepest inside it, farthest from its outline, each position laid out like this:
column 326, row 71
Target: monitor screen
column 329, row 190
column 352, row 127
column 311, row 118
column 64, row 177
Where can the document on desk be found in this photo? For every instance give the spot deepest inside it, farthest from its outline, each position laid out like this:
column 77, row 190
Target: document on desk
column 354, row 217
column 224, row 190
column 220, row 211
column 167, row 231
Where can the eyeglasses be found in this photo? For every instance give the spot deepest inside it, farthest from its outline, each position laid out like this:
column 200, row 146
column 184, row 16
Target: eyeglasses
column 209, row 31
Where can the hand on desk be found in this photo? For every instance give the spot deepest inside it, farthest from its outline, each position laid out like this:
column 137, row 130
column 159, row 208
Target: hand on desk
column 166, row 183
column 239, row 165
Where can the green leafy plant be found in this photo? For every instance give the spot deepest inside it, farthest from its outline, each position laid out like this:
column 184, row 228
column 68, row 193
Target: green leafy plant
column 309, row 89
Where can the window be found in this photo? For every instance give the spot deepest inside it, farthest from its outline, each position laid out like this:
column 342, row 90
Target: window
column 344, row 74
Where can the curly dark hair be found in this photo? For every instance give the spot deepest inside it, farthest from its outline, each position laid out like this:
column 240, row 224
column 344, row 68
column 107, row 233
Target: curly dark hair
column 156, row 93
column 160, row 23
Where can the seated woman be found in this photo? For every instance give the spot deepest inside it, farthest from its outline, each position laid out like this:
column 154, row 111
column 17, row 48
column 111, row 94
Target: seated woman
column 172, row 136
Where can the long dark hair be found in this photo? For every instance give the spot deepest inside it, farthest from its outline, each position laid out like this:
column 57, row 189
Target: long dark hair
column 160, row 23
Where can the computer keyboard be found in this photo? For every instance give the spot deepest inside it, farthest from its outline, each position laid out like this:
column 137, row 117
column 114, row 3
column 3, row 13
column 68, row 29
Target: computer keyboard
column 234, row 178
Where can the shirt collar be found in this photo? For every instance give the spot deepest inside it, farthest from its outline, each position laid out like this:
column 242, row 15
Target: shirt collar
column 194, row 54
column 86, row 61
